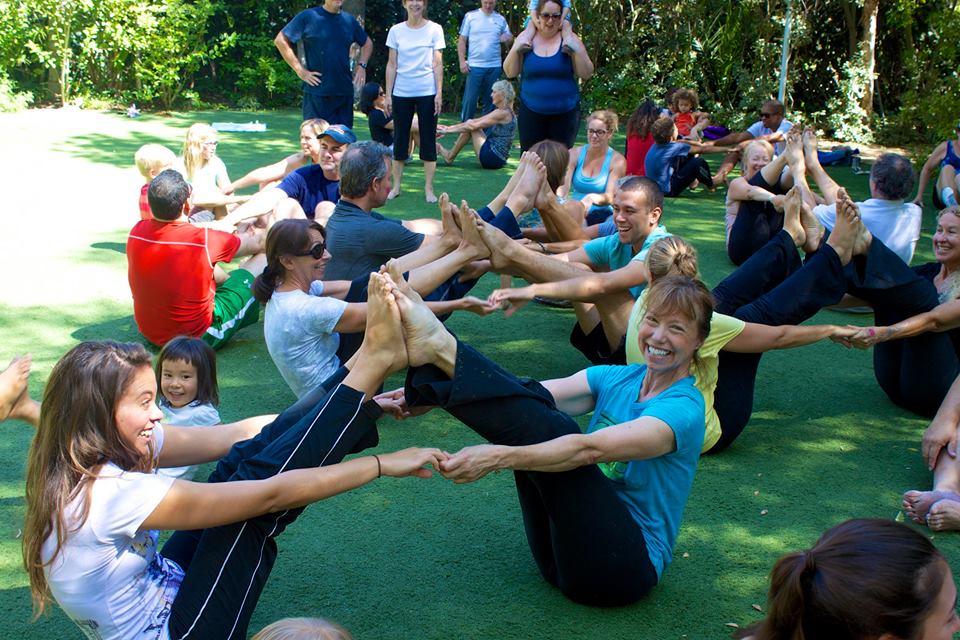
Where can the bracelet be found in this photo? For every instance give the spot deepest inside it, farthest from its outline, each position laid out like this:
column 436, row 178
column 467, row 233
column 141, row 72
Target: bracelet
column 362, row 65
column 379, row 468
column 543, row 249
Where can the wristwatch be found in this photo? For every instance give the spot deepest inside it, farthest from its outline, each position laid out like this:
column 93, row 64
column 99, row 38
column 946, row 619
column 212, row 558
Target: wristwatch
column 362, row 65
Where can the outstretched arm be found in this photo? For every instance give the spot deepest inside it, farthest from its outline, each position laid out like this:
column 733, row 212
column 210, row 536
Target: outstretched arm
column 758, row 338
column 943, row 317
column 185, row 445
column 270, row 173
column 586, row 288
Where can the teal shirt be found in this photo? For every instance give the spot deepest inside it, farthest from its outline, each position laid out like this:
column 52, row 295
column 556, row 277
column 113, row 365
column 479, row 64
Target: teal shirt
column 655, row 491
column 609, row 252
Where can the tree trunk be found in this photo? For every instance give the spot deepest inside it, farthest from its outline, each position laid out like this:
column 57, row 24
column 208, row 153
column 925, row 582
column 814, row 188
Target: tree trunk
column 868, row 48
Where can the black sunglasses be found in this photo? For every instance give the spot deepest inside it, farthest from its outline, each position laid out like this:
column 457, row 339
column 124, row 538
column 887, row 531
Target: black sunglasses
column 315, row 252
column 766, row 115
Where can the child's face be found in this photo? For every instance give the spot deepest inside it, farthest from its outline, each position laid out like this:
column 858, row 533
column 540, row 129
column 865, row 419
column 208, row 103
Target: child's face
column 178, row 382
column 684, row 106
column 155, row 172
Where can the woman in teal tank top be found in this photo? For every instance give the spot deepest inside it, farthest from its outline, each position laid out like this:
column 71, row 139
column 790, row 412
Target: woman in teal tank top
column 595, row 168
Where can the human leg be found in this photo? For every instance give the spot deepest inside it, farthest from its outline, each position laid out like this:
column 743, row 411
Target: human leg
column 232, row 563
column 449, row 155
column 15, row 400
column 233, row 304
column 489, row 75
column 563, row 127
column 471, row 92
column 947, row 186
column 581, row 535
column 403, row 110
column 531, row 127
column 427, row 118
column 828, row 188
column 686, row 170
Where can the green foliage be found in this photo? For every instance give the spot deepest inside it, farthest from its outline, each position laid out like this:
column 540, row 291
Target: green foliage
column 844, row 115
column 10, row 98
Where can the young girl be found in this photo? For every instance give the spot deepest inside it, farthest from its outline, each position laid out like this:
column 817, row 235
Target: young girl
column 372, row 98
column 206, row 173
column 187, row 376
column 689, row 121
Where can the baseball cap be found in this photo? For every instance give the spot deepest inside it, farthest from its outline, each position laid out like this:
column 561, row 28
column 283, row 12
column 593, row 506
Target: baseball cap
column 342, row 134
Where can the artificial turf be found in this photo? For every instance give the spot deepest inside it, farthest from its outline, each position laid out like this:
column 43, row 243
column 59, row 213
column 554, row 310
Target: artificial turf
column 425, row 558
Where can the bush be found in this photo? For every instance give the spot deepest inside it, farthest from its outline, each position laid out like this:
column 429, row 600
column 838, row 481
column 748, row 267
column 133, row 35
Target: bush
column 11, row 99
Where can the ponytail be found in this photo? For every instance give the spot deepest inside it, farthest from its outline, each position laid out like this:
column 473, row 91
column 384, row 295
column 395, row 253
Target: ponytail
column 266, row 283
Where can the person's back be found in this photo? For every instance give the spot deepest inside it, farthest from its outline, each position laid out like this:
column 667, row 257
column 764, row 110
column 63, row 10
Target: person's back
column 170, row 270
column 361, row 241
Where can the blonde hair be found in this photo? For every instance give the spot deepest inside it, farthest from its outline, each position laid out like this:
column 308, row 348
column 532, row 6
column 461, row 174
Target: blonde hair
column 151, row 159
column 671, row 255
column 197, row 134
column 303, row 629
column 316, row 126
column 763, row 144
column 951, row 284
column 607, row 117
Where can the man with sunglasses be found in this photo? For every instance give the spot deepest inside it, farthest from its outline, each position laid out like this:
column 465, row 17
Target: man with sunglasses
column 772, row 127
column 171, row 265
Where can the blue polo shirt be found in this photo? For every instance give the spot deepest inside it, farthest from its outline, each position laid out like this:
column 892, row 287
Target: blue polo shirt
column 326, row 41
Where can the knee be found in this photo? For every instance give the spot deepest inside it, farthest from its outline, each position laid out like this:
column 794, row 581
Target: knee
column 605, row 591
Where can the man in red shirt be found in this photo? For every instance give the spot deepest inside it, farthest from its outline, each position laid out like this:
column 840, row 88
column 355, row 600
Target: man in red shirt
column 170, row 266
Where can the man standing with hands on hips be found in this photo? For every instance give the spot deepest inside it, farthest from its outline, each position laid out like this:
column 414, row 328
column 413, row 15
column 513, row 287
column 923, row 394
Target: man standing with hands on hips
column 482, row 32
column 327, row 32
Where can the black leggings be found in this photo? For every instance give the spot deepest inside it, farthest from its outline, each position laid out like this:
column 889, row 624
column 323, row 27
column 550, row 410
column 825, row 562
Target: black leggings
column 227, row 567
column 755, row 225
column 532, row 127
column 770, row 288
column 581, row 534
column 686, row 169
column 403, row 110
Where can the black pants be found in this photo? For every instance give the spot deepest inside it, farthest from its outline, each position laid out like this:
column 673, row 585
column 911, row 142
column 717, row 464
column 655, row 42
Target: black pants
column 686, row 169
column 403, row 110
column 227, row 567
column 756, row 223
column 532, row 127
column 916, row 372
column 770, row 288
column 581, row 534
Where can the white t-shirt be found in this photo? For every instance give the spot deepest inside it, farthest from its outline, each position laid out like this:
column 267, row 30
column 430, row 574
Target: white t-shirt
column 483, row 32
column 894, row 222
column 108, row 577
column 757, row 129
column 205, row 178
column 299, row 331
column 415, row 49
column 195, row 414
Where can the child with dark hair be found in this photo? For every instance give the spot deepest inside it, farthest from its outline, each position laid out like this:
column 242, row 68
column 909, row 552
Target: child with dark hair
column 187, row 377
column 675, row 165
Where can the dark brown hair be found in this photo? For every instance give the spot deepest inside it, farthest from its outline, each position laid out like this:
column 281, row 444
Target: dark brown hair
column 862, row 579
column 642, row 119
column 555, row 157
column 284, row 238
column 77, row 434
column 662, row 130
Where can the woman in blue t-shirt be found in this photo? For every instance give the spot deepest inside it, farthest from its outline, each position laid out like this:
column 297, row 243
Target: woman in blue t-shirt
column 549, row 65
column 601, row 509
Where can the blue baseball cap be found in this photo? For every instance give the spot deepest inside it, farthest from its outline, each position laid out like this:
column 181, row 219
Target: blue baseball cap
column 340, row 133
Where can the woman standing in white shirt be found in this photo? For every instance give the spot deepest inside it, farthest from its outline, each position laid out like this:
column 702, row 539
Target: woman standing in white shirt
column 415, row 84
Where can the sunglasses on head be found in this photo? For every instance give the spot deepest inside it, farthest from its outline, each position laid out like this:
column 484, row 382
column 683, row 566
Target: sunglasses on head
column 315, row 252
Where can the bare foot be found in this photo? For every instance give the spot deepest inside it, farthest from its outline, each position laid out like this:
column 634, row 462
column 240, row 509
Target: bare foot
column 525, row 192
column 792, row 203
column 812, row 228
column 918, row 503
column 809, row 139
column 794, row 148
column 448, row 221
column 845, row 232
column 430, row 197
column 498, row 243
column 944, row 516
column 394, row 193
column 13, row 384
column 398, row 281
column 383, row 339
column 423, row 335
column 444, row 154
column 472, row 242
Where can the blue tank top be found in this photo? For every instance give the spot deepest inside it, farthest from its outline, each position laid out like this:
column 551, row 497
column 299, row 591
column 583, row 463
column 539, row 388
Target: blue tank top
column 500, row 137
column 547, row 83
column 581, row 185
column 951, row 158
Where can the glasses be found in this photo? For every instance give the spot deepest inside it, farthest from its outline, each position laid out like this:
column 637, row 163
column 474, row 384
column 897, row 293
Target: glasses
column 550, row 16
column 211, row 143
column 597, row 132
column 766, row 115
column 381, row 93
column 315, row 252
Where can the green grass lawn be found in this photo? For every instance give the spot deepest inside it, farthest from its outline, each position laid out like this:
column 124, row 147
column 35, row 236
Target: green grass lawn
column 424, row 558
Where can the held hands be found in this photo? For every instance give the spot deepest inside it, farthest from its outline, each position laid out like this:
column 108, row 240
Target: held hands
column 516, row 298
column 411, row 462
column 866, row 337
column 472, row 463
column 475, row 305
column 844, row 335
column 394, row 403
column 312, row 78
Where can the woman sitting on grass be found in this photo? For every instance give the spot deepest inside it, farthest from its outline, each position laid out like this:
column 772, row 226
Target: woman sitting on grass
column 491, row 134
column 271, row 174
column 95, row 504
column 862, row 580
column 601, row 509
